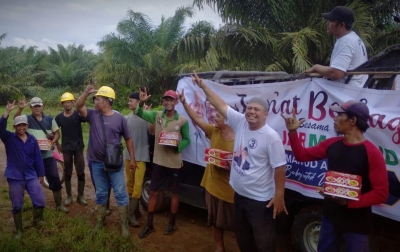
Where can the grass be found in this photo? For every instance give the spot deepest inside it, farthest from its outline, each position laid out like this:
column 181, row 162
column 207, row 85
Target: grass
column 58, row 233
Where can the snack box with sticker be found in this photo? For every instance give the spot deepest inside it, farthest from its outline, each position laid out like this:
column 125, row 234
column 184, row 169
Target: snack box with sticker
column 343, row 185
column 170, row 135
column 45, row 144
column 217, row 162
column 169, row 142
column 219, row 154
column 342, row 192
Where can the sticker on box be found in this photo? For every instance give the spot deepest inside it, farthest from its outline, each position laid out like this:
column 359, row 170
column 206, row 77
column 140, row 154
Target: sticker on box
column 343, row 179
column 169, row 142
column 342, row 192
column 170, row 135
column 217, row 162
column 220, row 154
column 45, row 144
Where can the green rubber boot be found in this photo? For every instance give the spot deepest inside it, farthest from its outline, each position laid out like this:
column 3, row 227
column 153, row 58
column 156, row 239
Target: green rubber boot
column 58, row 200
column 80, row 199
column 37, row 216
column 68, row 200
column 123, row 214
column 100, row 217
column 133, row 203
column 18, row 225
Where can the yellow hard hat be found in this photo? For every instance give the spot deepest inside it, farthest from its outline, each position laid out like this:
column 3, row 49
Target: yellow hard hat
column 106, row 92
column 67, row 97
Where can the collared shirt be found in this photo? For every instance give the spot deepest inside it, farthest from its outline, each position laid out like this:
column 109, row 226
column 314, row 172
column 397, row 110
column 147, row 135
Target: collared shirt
column 24, row 160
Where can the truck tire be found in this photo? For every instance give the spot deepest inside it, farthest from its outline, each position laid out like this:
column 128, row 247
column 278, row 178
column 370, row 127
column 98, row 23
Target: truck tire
column 144, row 199
column 306, row 228
column 60, row 168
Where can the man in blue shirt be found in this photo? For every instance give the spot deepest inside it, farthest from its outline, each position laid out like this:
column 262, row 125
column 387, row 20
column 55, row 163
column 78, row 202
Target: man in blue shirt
column 24, row 170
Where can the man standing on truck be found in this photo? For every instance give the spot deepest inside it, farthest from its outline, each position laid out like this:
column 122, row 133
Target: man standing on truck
column 349, row 51
column 167, row 160
column 139, row 129
column 352, row 153
column 24, row 170
column 262, row 184
column 45, row 130
column 72, row 147
column 106, row 129
column 219, row 194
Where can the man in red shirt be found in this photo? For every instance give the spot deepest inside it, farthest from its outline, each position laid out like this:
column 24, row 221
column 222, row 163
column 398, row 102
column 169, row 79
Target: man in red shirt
column 351, row 153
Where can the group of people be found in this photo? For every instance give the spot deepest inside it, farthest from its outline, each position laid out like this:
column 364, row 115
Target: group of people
column 246, row 197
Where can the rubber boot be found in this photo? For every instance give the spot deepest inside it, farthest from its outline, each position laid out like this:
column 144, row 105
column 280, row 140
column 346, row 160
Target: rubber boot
column 100, row 217
column 68, row 200
column 37, row 216
column 108, row 211
column 18, row 225
column 80, row 199
column 58, row 200
column 123, row 214
column 133, row 203
column 138, row 214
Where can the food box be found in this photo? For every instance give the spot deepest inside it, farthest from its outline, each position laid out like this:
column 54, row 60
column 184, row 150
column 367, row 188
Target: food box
column 169, row 138
column 170, row 142
column 217, row 162
column 343, row 185
column 45, row 144
column 219, row 154
column 342, row 192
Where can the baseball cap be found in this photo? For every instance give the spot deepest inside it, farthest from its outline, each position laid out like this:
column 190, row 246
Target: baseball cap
column 260, row 101
column 170, row 93
column 36, row 101
column 20, row 119
column 134, row 95
column 340, row 14
column 353, row 107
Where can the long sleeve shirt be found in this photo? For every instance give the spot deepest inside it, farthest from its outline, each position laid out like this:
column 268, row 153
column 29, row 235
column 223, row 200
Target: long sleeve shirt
column 24, row 160
column 362, row 159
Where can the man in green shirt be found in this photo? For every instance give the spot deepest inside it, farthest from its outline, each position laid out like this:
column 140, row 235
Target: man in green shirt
column 167, row 160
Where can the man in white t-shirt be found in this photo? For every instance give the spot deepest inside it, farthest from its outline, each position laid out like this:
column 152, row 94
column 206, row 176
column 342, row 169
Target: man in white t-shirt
column 349, row 51
column 257, row 171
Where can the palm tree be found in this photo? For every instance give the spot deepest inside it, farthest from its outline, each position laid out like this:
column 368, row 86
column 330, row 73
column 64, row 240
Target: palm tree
column 140, row 54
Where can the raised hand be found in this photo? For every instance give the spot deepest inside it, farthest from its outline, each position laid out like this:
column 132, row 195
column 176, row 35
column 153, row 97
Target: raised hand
column 22, row 103
column 181, row 96
column 197, row 80
column 10, row 106
column 143, row 95
column 147, row 107
column 291, row 122
column 90, row 88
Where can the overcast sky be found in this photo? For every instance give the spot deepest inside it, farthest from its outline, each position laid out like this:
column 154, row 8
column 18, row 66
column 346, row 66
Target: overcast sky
column 45, row 23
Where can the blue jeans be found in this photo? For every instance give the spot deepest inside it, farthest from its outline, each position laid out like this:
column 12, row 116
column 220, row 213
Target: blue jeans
column 331, row 239
column 103, row 179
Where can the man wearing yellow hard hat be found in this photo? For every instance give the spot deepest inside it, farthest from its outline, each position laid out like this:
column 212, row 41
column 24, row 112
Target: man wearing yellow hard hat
column 106, row 129
column 72, row 147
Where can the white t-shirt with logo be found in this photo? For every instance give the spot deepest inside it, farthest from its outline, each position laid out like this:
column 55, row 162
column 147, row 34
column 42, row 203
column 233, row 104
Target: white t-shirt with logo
column 252, row 175
column 348, row 53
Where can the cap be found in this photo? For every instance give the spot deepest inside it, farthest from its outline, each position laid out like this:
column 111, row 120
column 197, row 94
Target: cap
column 20, row 119
column 340, row 14
column 260, row 101
column 36, row 101
column 356, row 108
column 170, row 93
column 134, row 95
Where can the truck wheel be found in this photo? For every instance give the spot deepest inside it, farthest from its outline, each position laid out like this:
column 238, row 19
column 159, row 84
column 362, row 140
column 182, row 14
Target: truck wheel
column 144, row 199
column 60, row 168
column 306, row 228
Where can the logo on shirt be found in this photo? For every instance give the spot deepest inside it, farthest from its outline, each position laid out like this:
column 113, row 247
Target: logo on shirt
column 159, row 120
column 176, row 127
column 252, row 143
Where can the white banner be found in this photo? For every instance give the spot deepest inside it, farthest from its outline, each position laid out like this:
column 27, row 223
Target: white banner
column 312, row 97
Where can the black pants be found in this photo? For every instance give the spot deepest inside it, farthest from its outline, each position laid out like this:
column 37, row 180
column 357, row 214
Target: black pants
column 51, row 172
column 254, row 225
column 72, row 158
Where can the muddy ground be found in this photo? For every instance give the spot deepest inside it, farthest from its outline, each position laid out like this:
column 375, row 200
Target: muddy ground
column 192, row 232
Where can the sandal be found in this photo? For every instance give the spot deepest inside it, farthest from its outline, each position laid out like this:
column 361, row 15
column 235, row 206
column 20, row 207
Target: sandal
column 146, row 231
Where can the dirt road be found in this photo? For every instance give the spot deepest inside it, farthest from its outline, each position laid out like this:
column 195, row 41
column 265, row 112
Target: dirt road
column 192, row 233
